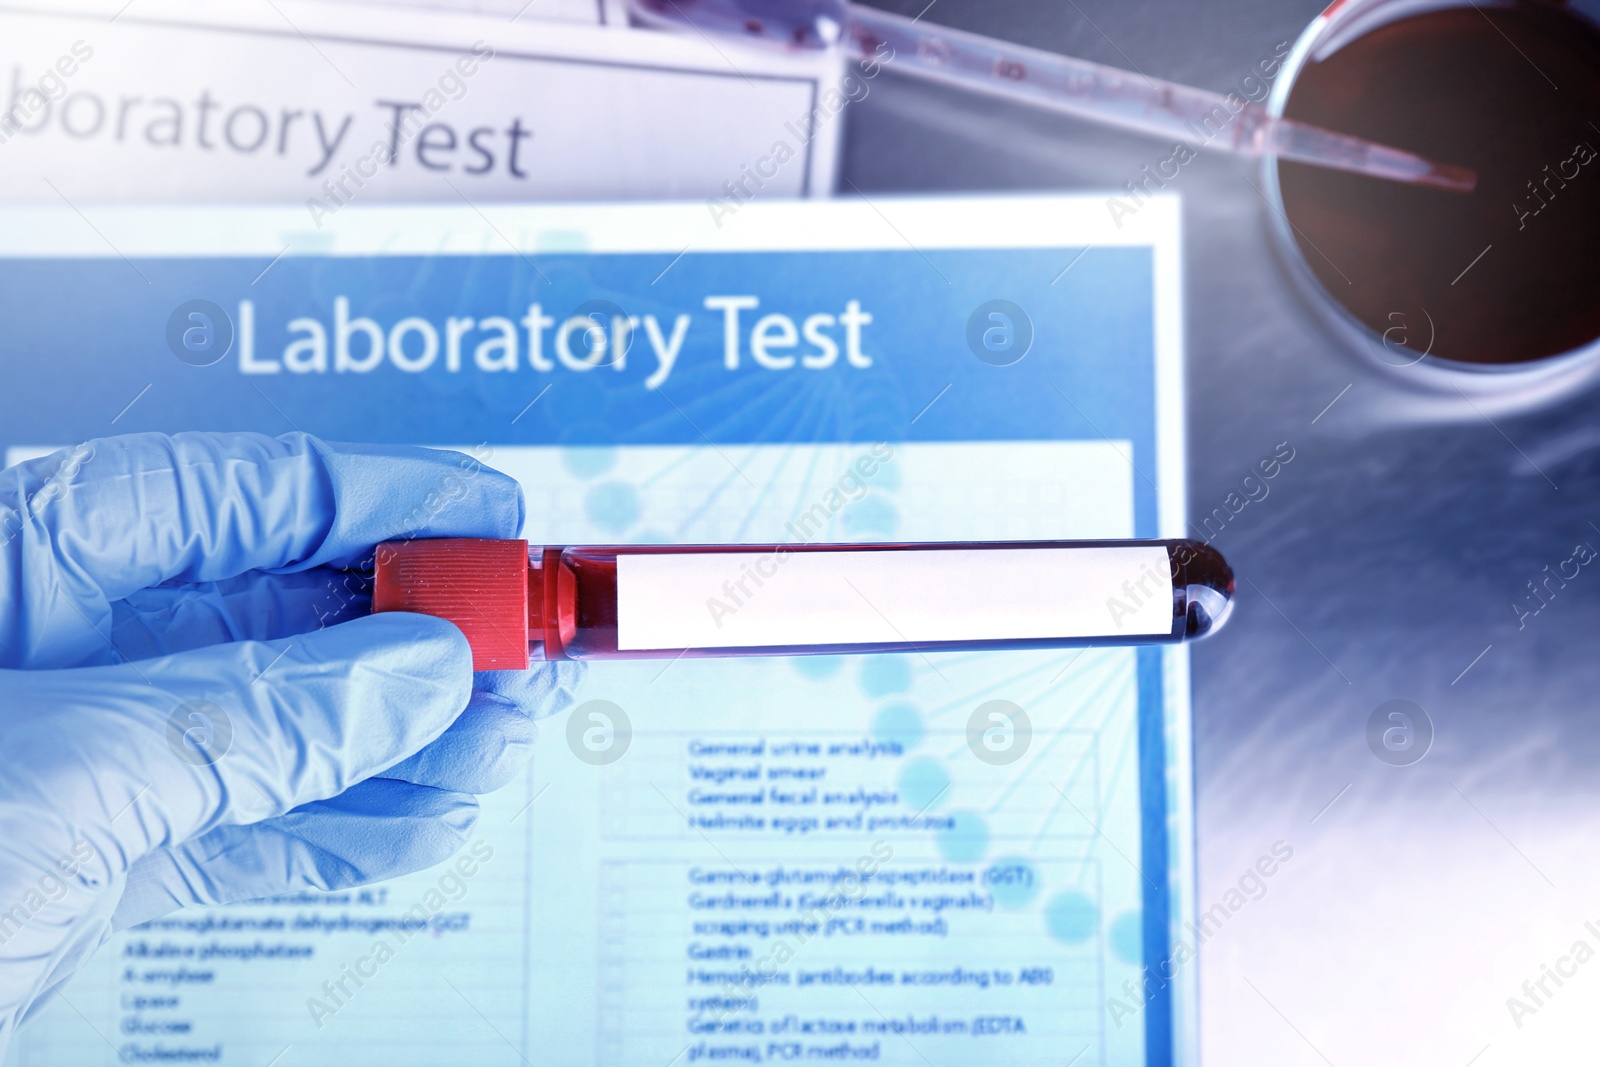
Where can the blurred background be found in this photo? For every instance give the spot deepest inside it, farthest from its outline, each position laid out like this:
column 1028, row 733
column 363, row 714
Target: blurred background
column 1384, row 565
column 1387, row 563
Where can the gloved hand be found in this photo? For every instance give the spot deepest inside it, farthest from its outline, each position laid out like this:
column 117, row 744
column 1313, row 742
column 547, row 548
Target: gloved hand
column 196, row 706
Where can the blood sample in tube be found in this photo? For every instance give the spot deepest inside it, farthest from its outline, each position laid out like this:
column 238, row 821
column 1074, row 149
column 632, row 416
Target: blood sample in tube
column 518, row 603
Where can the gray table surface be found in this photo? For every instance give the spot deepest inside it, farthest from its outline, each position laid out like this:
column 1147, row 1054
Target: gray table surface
column 1383, row 563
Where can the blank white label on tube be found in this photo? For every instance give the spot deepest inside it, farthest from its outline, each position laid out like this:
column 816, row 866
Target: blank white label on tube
column 771, row 599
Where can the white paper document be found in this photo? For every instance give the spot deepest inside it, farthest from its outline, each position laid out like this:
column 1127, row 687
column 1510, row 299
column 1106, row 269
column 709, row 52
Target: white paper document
column 928, row 859
column 332, row 104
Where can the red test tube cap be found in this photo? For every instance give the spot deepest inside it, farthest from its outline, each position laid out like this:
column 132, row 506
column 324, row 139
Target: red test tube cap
column 481, row 585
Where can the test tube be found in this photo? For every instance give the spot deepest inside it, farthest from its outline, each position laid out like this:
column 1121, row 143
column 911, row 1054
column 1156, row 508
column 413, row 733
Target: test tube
column 517, row 603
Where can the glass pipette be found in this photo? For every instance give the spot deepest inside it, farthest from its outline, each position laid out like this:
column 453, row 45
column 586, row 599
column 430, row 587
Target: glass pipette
column 1077, row 87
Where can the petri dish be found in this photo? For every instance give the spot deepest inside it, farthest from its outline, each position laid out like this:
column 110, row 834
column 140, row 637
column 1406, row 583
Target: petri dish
column 1492, row 292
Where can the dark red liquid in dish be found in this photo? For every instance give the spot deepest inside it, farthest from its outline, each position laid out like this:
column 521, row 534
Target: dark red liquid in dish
column 1512, row 92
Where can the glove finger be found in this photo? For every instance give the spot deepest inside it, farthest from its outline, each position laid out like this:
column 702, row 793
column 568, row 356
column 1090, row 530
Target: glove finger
column 268, row 607
column 477, row 754
column 377, row 829
column 493, row 738
column 541, row 691
column 149, row 754
column 87, row 527
column 481, row 751
column 250, row 607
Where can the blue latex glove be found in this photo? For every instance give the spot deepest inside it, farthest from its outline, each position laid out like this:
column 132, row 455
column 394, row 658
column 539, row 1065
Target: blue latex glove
column 196, row 706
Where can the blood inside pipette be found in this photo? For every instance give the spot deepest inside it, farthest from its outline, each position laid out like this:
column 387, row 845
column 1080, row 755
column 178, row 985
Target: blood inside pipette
column 1092, row 91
